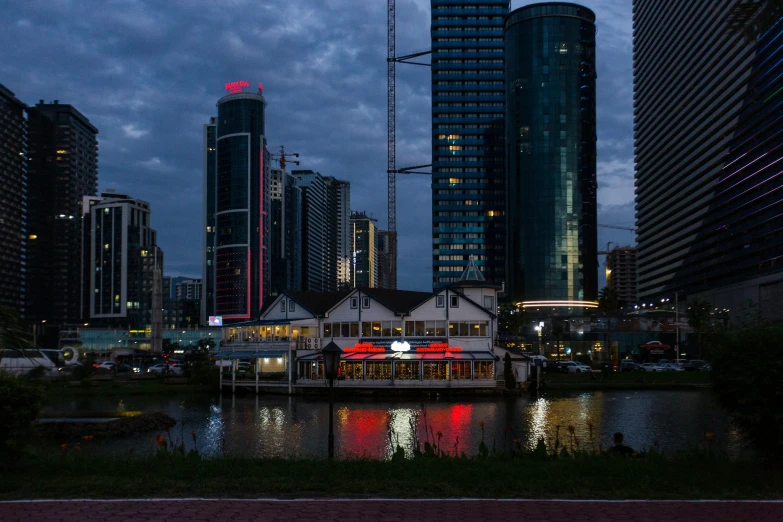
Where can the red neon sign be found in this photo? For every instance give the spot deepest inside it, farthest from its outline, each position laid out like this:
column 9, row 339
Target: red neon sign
column 438, row 348
column 260, row 87
column 364, row 348
column 234, row 87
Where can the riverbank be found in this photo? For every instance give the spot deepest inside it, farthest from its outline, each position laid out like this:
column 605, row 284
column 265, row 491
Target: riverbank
column 125, row 388
column 70, row 475
column 627, row 381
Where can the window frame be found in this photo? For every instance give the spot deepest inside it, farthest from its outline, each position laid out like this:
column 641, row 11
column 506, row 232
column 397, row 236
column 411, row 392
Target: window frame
column 454, row 301
column 440, row 301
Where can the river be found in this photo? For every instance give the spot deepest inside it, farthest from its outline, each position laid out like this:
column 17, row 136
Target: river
column 281, row 426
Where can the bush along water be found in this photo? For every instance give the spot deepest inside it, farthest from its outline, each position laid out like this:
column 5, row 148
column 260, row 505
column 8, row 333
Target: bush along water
column 20, row 404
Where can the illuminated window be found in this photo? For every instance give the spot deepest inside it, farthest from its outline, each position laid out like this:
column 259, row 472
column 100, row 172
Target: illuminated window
column 144, row 253
column 33, row 236
column 106, row 246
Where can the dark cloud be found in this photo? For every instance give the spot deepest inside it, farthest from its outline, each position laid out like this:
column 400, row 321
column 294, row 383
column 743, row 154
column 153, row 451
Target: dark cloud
column 148, row 75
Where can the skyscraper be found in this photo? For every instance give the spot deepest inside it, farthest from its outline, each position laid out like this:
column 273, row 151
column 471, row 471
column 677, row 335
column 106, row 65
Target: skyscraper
column 621, row 273
column 551, row 155
column 708, row 150
column 124, row 265
column 286, row 231
column 315, row 272
column 13, row 202
column 467, row 138
column 339, row 244
column 364, row 251
column 384, row 260
column 63, row 167
column 236, row 206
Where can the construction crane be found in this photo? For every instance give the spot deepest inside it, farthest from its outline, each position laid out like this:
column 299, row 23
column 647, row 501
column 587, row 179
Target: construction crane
column 630, row 229
column 282, row 158
column 391, row 166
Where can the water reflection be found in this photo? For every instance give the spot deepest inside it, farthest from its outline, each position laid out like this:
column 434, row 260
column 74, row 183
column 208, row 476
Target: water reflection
column 267, row 426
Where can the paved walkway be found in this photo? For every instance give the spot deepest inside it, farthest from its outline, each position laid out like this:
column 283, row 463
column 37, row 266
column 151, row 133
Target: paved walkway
column 187, row 510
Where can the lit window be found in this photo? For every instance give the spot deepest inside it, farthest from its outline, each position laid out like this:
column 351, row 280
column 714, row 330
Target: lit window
column 106, row 246
column 33, row 236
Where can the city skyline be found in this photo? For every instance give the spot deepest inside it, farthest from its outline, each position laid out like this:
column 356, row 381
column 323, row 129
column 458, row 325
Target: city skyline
column 151, row 79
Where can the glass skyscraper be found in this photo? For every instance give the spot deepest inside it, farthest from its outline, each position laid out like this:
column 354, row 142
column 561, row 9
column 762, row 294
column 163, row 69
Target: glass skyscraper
column 236, row 206
column 551, row 155
column 708, row 149
column 467, row 138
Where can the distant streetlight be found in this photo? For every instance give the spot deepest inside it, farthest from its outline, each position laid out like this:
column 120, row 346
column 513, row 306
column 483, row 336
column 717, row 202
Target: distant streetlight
column 331, row 354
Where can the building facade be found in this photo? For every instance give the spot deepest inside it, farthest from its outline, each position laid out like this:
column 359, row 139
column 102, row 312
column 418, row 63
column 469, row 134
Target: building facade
column 621, row 273
column 189, row 289
column 387, row 266
column 286, row 231
column 339, row 209
column 315, row 274
column 467, row 138
column 551, row 248
column 13, row 202
column 236, row 206
column 123, row 283
column 707, row 151
column 62, row 168
column 364, row 251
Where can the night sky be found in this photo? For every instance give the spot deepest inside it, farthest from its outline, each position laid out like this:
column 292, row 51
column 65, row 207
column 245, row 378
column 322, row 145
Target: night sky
column 148, row 75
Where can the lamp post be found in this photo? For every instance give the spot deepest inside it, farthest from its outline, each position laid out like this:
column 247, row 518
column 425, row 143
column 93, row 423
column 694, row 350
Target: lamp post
column 331, row 354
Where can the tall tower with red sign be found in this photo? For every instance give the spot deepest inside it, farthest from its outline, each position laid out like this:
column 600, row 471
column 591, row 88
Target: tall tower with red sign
column 236, row 207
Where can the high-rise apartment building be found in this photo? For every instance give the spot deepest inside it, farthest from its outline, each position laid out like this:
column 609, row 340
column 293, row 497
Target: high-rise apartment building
column 708, row 133
column 551, row 155
column 189, row 289
column 385, row 263
column 236, row 206
column 123, row 283
column 315, row 272
column 467, row 138
column 621, row 273
column 339, row 245
column 286, row 231
column 62, row 168
column 13, row 202
column 364, row 251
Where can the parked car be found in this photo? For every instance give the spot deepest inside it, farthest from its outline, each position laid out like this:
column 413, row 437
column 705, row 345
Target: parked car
column 574, row 367
column 176, row 368
column 105, row 365
column 652, row 367
column 158, row 369
column 629, row 366
column 671, row 367
column 122, row 368
column 696, row 365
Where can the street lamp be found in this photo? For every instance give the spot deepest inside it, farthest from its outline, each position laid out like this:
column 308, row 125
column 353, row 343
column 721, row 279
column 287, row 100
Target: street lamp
column 331, row 354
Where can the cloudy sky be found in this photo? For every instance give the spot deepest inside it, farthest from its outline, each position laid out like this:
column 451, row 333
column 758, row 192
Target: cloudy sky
column 148, row 73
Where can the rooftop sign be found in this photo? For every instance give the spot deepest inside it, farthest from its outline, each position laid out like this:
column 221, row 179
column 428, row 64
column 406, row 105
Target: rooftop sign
column 235, row 87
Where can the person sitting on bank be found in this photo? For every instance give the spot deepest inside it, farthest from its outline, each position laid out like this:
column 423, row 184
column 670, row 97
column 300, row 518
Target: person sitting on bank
column 619, row 448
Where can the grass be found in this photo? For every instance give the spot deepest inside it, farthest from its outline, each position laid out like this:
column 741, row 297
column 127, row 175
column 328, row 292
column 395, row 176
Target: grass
column 628, row 380
column 654, row 477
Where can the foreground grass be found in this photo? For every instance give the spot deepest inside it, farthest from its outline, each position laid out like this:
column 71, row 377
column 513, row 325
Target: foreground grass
column 628, row 380
column 654, row 477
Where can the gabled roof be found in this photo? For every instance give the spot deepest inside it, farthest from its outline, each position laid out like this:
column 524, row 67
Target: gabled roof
column 317, row 302
column 398, row 301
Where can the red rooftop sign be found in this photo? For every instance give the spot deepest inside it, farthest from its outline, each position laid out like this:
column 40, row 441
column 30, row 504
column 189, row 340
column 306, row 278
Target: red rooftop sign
column 234, row 87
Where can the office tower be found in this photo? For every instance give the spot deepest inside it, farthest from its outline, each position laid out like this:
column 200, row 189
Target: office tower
column 189, row 289
column 621, row 273
column 708, row 151
column 62, row 168
column 467, row 138
column 551, row 155
column 124, row 265
column 339, row 233
column 236, row 206
column 364, row 251
column 13, row 202
column 286, row 231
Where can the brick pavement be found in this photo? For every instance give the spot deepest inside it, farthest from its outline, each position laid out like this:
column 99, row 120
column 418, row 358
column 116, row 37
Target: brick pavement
column 192, row 510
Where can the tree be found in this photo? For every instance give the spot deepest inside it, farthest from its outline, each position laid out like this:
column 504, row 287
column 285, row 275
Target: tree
column 508, row 373
column 13, row 332
column 754, row 18
column 608, row 305
column 699, row 318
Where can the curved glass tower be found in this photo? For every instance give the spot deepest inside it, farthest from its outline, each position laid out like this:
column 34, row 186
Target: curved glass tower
column 236, row 207
column 550, row 155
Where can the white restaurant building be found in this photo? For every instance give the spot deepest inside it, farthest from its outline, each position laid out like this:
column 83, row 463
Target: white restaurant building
column 390, row 339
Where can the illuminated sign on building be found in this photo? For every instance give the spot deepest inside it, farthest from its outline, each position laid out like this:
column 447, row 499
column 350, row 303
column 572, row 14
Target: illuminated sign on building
column 235, row 87
column 398, row 346
column 215, row 320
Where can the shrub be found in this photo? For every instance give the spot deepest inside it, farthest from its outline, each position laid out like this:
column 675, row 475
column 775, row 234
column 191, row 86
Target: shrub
column 20, row 403
column 206, row 375
column 751, row 392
